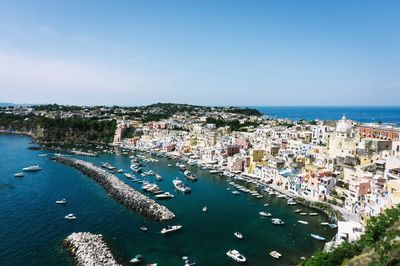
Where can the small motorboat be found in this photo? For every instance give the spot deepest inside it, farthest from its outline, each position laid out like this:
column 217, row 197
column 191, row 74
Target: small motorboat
column 169, row 165
column 302, row 222
column 188, row 262
column 275, row 254
column 238, row 235
column 70, row 216
column 19, row 174
column 332, row 226
column 303, row 213
column 170, row 229
column 143, row 228
column 235, row 192
column 297, row 210
column 158, row 177
column 325, row 223
column 33, row 168
column 277, row 221
column 137, row 259
column 63, row 201
column 165, row 195
column 204, row 208
column 236, row 256
column 265, row 214
column 320, row 238
column 313, row 214
column 266, row 205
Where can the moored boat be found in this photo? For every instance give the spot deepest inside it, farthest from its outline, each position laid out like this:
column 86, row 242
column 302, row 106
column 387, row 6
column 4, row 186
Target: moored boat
column 236, row 256
column 265, row 214
column 33, row 168
column 170, row 229
column 165, row 195
column 302, row 222
column 19, row 174
column 238, row 235
column 275, row 254
column 205, row 209
column 63, row 201
column 318, row 237
column 179, row 185
column 137, row 259
column 70, row 216
column 277, row 221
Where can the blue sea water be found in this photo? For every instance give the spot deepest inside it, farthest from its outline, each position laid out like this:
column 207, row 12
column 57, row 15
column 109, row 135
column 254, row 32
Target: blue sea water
column 32, row 226
column 386, row 114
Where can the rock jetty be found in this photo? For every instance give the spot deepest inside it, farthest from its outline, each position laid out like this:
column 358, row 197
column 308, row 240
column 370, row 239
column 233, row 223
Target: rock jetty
column 89, row 249
column 119, row 190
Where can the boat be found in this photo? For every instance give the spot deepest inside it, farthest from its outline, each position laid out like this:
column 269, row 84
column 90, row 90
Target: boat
column 43, row 155
column 325, row 223
column 235, row 192
column 297, row 210
column 70, row 216
column 137, row 259
column 332, row 226
column 266, row 205
column 302, row 222
column 291, row 202
column 33, row 168
column 265, row 214
column 277, row 221
column 313, row 214
column 128, row 175
column 169, row 165
column 143, row 228
column 303, row 213
column 189, row 175
column 204, row 208
column 19, row 174
column 170, row 229
column 165, row 195
column 318, row 237
column 188, row 262
column 158, row 177
column 63, row 201
column 236, row 256
column 179, row 185
column 238, row 235
column 275, row 254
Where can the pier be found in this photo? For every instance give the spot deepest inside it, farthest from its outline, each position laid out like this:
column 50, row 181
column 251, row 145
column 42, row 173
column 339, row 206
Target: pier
column 120, row 191
column 89, row 249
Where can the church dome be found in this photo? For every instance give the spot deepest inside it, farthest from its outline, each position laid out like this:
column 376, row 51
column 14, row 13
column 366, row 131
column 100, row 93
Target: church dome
column 343, row 125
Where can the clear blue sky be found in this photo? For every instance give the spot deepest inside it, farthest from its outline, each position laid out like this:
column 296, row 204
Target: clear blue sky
column 201, row 52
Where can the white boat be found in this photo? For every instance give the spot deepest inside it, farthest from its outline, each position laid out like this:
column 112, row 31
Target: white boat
column 297, row 210
column 137, row 259
column 170, row 229
column 189, row 175
column 63, row 201
column 70, row 216
column 235, row 192
column 165, row 195
column 128, row 175
column 158, row 177
column 266, row 205
column 169, row 165
column 143, row 228
column 325, row 223
column 332, row 226
column 275, row 254
column 320, row 238
column 43, row 155
column 204, row 208
column 265, row 214
column 303, row 213
column 236, row 256
column 313, row 214
column 179, row 185
column 19, row 174
column 33, row 168
column 277, row 221
column 238, row 235
column 302, row 222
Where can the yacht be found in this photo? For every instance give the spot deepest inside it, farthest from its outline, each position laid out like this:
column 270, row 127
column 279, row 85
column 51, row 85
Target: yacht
column 302, row 222
column 19, row 174
column 171, row 228
column 236, row 256
column 189, row 175
column 137, row 259
column 277, row 221
column 204, row 208
column 275, row 254
column 63, row 201
column 318, row 237
column 179, row 185
column 70, row 216
column 33, row 168
column 238, row 235
column 143, row 228
column 265, row 214
column 165, row 195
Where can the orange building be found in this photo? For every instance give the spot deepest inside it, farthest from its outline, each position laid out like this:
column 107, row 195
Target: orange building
column 379, row 132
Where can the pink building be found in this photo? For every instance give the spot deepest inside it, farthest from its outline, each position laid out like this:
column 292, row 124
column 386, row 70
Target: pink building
column 235, row 164
column 232, row 149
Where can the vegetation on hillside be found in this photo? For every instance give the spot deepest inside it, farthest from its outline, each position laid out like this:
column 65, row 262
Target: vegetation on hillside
column 379, row 245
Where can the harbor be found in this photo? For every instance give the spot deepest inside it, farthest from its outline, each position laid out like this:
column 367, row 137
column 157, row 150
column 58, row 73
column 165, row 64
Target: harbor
column 205, row 237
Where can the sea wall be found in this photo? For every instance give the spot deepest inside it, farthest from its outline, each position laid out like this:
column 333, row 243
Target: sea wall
column 89, row 249
column 120, row 191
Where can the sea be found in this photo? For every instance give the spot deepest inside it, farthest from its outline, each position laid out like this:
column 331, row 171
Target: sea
column 32, row 225
column 375, row 114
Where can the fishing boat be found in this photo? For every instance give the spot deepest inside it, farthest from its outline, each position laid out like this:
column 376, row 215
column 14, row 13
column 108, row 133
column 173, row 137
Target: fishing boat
column 275, row 254
column 238, row 235
column 179, row 185
column 63, row 201
column 70, row 216
column 19, row 174
column 265, row 214
column 204, row 208
column 170, row 229
column 318, row 237
column 143, row 228
column 165, row 195
column 236, row 256
column 137, row 259
column 33, row 168
column 302, row 222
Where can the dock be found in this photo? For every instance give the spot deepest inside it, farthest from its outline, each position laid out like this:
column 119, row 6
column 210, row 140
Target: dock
column 119, row 190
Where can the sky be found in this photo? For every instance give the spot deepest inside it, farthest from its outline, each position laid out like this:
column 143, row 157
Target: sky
column 343, row 52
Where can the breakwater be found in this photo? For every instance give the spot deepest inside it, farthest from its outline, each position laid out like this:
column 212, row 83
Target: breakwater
column 119, row 190
column 89, row 249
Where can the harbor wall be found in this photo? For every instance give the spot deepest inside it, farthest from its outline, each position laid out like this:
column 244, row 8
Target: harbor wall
column 120, row 191
column 89, row 249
